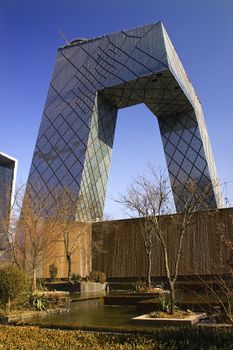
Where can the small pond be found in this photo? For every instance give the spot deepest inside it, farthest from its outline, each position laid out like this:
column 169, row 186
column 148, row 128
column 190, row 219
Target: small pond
column 97, row 316
column 92, row 313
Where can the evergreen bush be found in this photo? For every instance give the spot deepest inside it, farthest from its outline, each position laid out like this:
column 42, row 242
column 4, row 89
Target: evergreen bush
column 14, row 285
column 53, row 271
column 97, row 276
column 75, row 278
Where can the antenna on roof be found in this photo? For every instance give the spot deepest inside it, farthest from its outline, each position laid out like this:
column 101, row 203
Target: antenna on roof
column 63, row 37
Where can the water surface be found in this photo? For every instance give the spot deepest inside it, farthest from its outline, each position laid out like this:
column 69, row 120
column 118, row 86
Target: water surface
column 93, row 316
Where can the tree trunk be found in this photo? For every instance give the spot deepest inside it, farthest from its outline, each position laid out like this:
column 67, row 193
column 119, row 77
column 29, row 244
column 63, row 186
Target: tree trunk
column 148, row 275
column 68, row 256
column 9, row 304
column 34, row 280
column 172, row 298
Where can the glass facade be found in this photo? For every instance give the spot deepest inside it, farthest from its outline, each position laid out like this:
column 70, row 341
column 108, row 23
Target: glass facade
column 91, row 81
column 7, row 176
column 5, row 188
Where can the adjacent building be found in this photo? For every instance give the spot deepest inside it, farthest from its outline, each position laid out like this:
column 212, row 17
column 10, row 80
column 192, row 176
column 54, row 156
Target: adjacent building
column 8, row 168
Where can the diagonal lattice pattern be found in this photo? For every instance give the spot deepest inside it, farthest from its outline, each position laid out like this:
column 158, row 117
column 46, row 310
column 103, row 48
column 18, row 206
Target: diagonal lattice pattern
column 91, row 81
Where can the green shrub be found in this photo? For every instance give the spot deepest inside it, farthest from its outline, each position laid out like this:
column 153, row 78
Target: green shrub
column 53, row 270
column 102, row 277
column 14, row 285
column 165, row 302
column 138, row 285
column 38, row 301
column 75, row 278
column 97, row 276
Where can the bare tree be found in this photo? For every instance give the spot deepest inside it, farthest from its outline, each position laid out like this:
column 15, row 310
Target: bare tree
column 29, row 232
column 70, row 233
column 10, row 242
column 37, row 223
column 220, row 285
column 37, row 233
column 150, row 198
column 70, row 236
column 146, row 198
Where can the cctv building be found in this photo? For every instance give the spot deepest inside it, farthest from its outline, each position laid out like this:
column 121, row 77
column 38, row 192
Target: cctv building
column 94, row 78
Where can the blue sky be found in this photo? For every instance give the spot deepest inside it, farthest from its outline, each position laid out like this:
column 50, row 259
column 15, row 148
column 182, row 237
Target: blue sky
column 201, row 31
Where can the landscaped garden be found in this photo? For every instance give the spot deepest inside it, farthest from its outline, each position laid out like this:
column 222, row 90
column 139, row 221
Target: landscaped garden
column 70, row 311
column 20, row 301
column 105, row 321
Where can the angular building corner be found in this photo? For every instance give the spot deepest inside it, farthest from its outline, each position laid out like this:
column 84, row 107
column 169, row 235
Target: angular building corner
column 91, row 81
column 8, row 170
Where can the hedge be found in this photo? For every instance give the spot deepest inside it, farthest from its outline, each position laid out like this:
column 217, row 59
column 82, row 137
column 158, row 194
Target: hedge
column 34, row 338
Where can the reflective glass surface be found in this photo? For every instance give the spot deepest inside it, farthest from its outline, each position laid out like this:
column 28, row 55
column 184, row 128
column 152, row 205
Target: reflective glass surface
column 91, row 81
